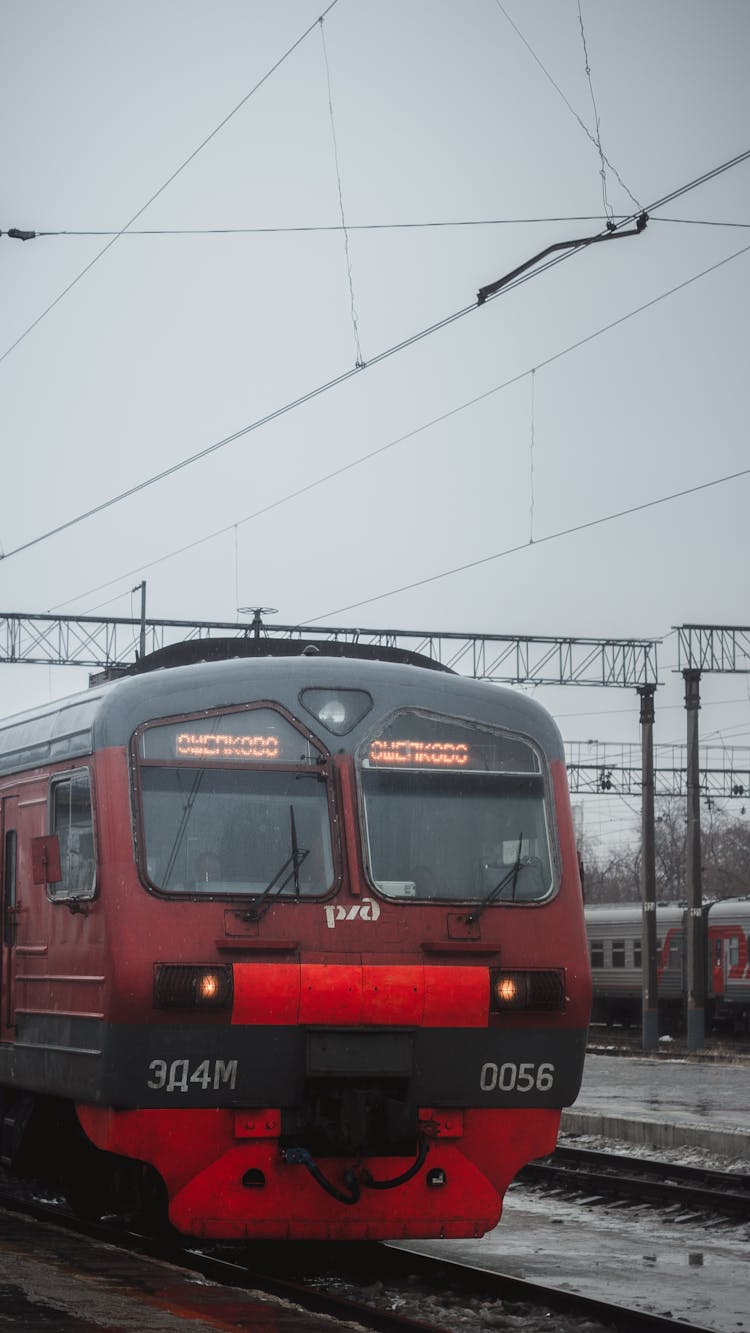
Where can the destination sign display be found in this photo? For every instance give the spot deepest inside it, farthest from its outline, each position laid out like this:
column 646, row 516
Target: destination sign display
column 222, row 745
column 420, row 754
column 248, row 736
column 421, row 741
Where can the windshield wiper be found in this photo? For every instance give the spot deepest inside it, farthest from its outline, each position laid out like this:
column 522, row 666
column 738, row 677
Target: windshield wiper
column 179, row 836
column 296, row 858
column 510, row 877
column 276, row 884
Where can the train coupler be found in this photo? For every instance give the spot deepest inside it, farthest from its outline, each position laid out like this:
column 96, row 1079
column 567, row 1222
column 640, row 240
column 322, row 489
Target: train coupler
column 301, row 1157
column 354, row 1178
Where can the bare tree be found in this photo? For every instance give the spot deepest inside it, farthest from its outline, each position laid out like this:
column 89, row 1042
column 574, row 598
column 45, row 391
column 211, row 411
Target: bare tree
column 726, row 856
column 614, row 876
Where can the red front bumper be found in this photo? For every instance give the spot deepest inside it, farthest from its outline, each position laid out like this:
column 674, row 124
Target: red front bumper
column 226, row 1176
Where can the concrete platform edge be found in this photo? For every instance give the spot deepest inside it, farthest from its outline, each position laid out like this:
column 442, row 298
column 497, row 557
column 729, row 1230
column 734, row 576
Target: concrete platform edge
column 657, row 1133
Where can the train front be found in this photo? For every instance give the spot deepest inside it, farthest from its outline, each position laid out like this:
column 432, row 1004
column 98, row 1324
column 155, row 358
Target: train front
column 368, row 984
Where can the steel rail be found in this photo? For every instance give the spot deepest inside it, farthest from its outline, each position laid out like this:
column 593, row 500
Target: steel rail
column 266, row 1268
column 659, row 1184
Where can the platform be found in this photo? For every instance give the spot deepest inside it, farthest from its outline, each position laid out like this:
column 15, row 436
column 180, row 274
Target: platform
column 53, row 1280
column 665, row 1103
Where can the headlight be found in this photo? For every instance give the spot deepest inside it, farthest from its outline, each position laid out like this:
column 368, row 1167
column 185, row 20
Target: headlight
column 187, row 986
column 526, row 990
column 337, row 710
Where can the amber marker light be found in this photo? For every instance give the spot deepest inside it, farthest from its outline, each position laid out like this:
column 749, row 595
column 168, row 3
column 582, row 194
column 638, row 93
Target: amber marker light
column 526, row 990
column 506, row 989
column 208, row 988
column 186, row 986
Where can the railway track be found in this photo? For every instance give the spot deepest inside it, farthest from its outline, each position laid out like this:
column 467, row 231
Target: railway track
column 666, row 1186
column 472, row 1298
column 380, row 1287
column 724, row 1047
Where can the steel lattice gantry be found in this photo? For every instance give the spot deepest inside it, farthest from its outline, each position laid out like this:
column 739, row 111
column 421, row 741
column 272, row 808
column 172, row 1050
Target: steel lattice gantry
column 600, row 768
column 713, row 648
column 522, row 659
column 107, row 642
column 91, row 641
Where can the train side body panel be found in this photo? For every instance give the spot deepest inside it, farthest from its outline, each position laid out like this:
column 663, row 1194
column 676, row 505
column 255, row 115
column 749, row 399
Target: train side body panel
column 615, row 942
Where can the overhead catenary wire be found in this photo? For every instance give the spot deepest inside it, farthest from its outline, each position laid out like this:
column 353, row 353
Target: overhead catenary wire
column 16, row 233
column 327, row 227
column 571, row 108
column 697, row 181
column 509, row 284
column 401, row 439
column 703, row 222
column 295, row 403
column 243, row 431
column 457, row 569
column 523, row 546
column 178, row 171
column 608, row 211
column 612, row 231
column 347, row 250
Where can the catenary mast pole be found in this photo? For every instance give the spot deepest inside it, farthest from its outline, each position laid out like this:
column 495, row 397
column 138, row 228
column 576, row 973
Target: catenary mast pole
column 142, row 635
column 695, row 976
column 650, row 1012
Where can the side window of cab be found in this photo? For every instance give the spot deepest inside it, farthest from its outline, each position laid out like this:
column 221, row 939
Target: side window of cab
column 71, row 819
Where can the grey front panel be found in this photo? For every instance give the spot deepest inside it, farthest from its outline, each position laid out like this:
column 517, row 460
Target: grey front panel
column 126, row 1066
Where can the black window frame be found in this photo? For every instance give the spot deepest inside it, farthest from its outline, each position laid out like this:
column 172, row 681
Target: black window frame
column 64, row 890
column 10, row 886
column 541, row 773
column 321, row 769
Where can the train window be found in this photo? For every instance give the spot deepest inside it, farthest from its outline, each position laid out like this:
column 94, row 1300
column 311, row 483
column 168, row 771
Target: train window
column 637, row 958
column 455, row 811
column 235, row 832
column 71, row 818
column 234, row 803
column 734, row 951
column 618, row 953
column 597, row 953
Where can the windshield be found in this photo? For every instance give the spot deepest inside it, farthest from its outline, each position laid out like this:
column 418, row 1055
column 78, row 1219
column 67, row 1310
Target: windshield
column 455, row 812
column 240, row 823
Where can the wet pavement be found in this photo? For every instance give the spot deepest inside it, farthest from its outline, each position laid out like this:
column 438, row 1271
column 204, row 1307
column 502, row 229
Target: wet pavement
column 659, row 1264
column 665, row 1103
column 627, row 1256
column 53, row 1281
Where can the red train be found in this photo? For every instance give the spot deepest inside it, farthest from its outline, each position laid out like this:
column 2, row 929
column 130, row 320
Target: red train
column 614, row 931
column 292, row 943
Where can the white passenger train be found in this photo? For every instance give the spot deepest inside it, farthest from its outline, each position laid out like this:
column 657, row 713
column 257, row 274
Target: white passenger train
column 614, row 934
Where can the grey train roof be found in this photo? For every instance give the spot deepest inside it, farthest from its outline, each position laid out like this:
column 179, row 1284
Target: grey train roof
column 109, row 714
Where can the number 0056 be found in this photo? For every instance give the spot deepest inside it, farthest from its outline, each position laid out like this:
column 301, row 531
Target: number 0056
column 517, row 1078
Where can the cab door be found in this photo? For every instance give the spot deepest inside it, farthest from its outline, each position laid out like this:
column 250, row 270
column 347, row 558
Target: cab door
column 8, row 914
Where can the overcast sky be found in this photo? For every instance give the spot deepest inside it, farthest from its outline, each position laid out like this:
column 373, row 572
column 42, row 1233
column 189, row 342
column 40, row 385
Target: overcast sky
column 444, row 111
